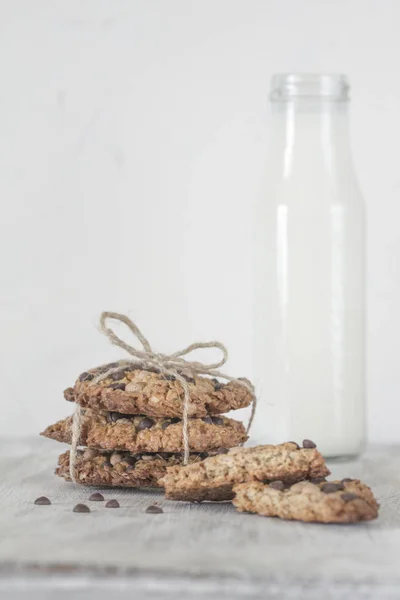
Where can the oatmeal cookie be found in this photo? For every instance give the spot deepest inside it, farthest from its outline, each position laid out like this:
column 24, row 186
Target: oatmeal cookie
column 120, row 469
column 134, row 390
column 214, row 478
column 132, row 433
column 345, row 501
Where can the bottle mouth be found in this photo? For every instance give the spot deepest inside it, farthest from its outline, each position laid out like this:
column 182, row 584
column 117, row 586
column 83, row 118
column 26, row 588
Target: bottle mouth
column 289, row 86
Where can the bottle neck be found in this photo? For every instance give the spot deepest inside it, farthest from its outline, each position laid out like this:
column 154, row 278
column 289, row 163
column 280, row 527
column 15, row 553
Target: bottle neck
column 310, row 134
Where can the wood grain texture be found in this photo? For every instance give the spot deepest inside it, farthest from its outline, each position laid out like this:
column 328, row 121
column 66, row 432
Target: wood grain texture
column 205, row 550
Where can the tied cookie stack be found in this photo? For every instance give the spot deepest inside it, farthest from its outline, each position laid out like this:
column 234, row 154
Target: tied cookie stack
column 136, row 418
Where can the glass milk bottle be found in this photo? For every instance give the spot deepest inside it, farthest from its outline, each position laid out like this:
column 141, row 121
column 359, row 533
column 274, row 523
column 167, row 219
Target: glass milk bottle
column 309, row 278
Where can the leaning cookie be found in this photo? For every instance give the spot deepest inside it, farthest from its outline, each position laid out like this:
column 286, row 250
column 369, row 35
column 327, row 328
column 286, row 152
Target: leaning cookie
column 120, row 469
column 213, row 478
column 134, row 390
column 345, row 501
column 113, row 431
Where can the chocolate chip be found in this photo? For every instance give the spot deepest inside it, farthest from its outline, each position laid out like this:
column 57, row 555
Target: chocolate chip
column 309, row 444
column 169, row 422
column 222, row 451
column 217, row 420
column 117, row 375
column 86, row 376
column 133, row 367
column 347, row 480
column 96, row 497
column 207, row 420
column 330, row 488
column 117, row 386
column 296, row 444
column 187, row 378
column 170, row 377
column 106, row 464
column 112, row 504
column 163, row 455
column 348, row 497
column 277, row 485
column 318, row 480
column 69, row 395
column 42, row 501
column 145, row 423
column 102, row 369
column 214, row 380
column 81, row 508
column 154, row 510
column 218, row 386
column 112, row 417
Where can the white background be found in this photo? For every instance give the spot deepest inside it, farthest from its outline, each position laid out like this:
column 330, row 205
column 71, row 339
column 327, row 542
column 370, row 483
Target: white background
column 132, row 139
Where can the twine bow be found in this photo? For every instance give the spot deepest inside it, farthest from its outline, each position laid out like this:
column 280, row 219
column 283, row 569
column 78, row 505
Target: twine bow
column 168, row 364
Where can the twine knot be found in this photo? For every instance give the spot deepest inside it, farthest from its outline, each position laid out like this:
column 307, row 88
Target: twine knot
column 168, row 364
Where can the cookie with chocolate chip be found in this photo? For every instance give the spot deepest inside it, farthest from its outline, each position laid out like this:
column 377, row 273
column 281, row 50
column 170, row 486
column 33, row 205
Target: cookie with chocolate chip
column 131, row 389
column 345, row 501
column 120, row 469
column 138, row 433
column 213, row 478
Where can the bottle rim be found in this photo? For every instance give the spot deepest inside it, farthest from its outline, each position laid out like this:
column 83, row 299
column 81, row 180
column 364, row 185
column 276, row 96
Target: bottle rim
column 291, row 86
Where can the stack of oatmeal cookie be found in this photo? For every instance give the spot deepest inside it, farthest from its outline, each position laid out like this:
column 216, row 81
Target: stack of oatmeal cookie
column 132, row 424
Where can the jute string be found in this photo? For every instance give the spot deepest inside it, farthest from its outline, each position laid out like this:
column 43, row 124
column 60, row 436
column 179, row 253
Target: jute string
column 168, row 364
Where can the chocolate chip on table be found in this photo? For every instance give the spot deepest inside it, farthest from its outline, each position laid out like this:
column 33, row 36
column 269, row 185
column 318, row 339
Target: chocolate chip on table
column 347, row 480
column 86, row 376
column 309, row 444
column 42, row 501
column 96, row 497
column 330, row 488
column 81, row 508
column 348, row 497
column 317, row 480
column 217, row 420
column 117, row 386
column 154, row 510
column 207, row 420
column 112, row 504
column 277, row 485
column 145, row 423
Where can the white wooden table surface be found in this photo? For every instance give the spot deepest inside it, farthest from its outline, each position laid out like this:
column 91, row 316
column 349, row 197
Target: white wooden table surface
column 195, row 551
